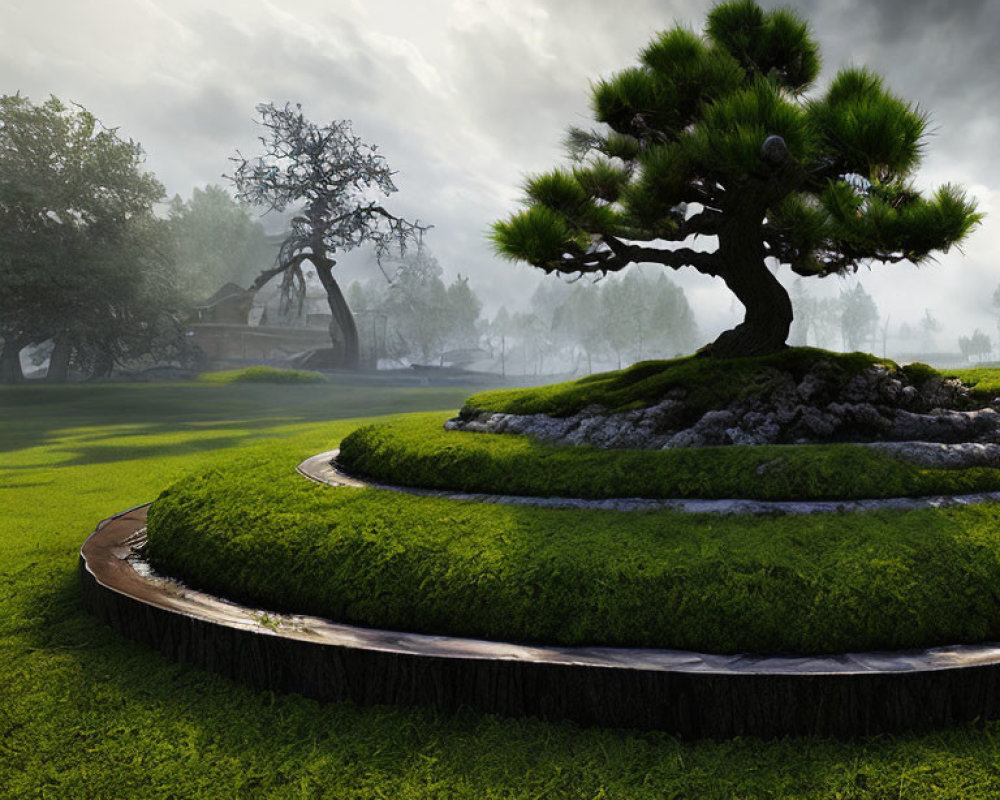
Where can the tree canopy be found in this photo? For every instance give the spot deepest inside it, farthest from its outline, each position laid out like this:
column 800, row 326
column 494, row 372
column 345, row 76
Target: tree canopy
column 713, row 135
column 79, row 262
column 335, row 178
column 215, row 241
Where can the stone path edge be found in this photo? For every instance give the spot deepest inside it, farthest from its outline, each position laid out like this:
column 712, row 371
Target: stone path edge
column 685, row 693
column 322, row 468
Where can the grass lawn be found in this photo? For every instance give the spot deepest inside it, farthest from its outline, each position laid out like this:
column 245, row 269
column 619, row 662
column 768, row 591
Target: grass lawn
column 85, row 714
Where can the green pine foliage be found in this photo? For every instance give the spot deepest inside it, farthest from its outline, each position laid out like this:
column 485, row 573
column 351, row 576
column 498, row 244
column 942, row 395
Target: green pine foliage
column 686, row 127
column 540, row 233
column 776, row 44
column 870, row 130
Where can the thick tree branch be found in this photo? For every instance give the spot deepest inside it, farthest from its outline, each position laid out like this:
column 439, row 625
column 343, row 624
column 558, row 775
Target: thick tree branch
column 266, row 275
column 704, row 223
column 706, row 263
column 619, row 255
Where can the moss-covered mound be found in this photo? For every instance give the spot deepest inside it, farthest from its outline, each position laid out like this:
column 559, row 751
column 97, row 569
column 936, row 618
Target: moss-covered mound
column 258, row 532
column 707, row 383
column 418, row 451
column 798, row 396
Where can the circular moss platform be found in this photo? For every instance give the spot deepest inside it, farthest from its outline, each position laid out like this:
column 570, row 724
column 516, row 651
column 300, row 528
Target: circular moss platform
column 417, row 451
column 608, row 604
column 687, row 693
column 809, row 584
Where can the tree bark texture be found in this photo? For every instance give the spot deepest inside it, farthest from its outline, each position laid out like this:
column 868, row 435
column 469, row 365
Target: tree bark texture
column 768, row 307
column 343, row 319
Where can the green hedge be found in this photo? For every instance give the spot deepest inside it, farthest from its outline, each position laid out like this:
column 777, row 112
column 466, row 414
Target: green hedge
column 418, row 451
column 258, row 532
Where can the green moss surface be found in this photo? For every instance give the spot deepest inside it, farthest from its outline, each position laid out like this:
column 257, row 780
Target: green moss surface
column 708, row 382
column 257, row 532
column 984, row 382
column 416, row 450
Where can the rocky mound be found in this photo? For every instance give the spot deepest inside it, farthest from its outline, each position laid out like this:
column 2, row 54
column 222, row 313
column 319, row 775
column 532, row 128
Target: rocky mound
column 879, row 404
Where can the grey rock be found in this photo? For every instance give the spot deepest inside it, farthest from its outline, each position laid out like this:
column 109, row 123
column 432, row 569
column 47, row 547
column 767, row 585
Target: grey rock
column 874, row 406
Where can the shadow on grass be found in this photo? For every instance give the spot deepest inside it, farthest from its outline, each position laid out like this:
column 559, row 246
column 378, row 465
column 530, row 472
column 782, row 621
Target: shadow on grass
column 32, row 416
column 99, row 454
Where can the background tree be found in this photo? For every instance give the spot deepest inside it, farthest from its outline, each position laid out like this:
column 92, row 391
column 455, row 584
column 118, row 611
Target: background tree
column 423, row 317
column 463, row 308
column 929, row 326
column 534, row 344
column 581, row 317
column 642, row 316
column 711, row 136
column 333, row 175
column 858, row 318
column 76, row 226
column 614, row 321
column 416, row 303
column 498, row 331
column 134, row 308
column 216, row 241
column 977, row 347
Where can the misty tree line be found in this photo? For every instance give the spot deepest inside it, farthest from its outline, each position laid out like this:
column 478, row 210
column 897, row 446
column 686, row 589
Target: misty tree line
column 97, row 272
column 584, row 326
column 93, row 270
column 413, row 317
column 126, row 300
column 851, row 321
column 92, row 267
column 410, row 315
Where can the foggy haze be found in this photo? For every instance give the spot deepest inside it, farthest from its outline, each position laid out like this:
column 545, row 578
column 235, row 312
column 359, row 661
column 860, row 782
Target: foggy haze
column 466, row 97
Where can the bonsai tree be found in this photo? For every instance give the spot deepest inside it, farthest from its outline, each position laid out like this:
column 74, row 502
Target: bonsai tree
column 714, row 136
column 334, row 176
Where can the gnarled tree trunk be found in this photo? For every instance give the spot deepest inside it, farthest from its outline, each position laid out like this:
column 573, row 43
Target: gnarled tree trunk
column 768, row 316
column 343, row 319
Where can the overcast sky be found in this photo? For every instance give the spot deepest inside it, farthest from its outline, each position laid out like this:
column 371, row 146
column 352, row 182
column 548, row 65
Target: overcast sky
column 465, row 97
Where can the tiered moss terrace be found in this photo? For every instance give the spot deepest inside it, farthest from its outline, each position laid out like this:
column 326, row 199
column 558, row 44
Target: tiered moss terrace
column 814, row 583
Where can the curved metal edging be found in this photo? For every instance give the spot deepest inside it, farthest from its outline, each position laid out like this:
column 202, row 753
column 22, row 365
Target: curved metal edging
column 690, row 694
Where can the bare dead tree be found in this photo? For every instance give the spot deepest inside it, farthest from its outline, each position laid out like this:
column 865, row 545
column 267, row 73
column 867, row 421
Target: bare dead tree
column 337, row 178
